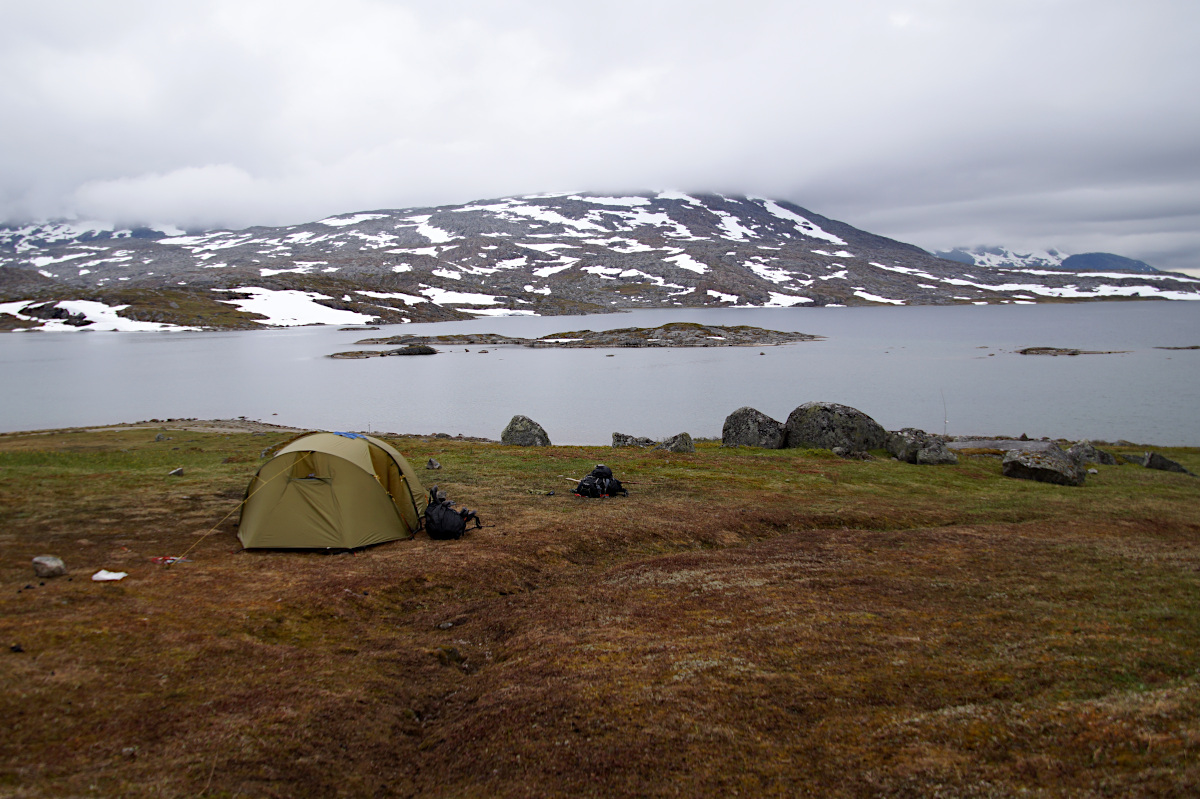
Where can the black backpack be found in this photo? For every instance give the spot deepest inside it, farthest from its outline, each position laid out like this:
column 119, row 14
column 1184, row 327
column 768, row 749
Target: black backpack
column 442, row 521
column 600, row 483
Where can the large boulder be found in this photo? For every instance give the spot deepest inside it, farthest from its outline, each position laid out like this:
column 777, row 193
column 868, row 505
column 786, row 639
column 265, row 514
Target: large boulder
column 1155, row 460
column 825, row 425
column 747, row 427
column 1085, row 452
column 916, row 446
column 524, row 432
column 678, row 443
column 1045, row 466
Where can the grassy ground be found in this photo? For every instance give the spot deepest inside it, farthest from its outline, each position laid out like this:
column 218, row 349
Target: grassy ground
column 747, row 622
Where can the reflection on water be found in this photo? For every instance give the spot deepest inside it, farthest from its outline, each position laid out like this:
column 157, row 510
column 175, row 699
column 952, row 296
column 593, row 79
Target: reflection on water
column 900, row 365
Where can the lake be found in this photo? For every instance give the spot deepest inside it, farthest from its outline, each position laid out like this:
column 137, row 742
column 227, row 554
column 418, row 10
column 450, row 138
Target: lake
column 951, row 369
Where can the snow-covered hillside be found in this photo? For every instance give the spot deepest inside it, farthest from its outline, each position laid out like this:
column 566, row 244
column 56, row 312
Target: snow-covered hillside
column 543, row 254
column 1002, row 257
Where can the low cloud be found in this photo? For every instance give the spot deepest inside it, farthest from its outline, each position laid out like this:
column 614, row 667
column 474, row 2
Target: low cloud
column 1022, row 123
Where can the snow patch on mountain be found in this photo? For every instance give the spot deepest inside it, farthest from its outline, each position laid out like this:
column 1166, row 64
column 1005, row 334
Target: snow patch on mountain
column 778, row 300
column 101, row 317
column 802, row 225
column 407, row 299
column 440, row 296
column 289, row 308
column 353, row 219
column 685, row 261
column 626, row 201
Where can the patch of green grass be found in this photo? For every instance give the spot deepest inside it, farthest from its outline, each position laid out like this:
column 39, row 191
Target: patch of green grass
column 186, row 307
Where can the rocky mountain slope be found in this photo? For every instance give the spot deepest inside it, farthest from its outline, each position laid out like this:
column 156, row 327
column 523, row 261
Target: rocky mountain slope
column 535, row 255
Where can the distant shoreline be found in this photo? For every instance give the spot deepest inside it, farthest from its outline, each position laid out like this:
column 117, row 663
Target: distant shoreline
column 256, row 427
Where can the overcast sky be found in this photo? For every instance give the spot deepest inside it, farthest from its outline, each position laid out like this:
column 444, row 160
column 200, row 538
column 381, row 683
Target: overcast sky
column 1069, row 124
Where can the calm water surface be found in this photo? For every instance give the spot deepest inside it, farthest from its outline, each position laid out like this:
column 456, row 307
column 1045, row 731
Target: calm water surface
column 900, row 365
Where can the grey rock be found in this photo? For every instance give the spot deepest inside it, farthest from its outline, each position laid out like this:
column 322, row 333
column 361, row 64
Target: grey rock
column 160, row 437
column 825, row 425
column 936, row 453
column 49, row 566
column 524, row 432
column 852, row 455
column 1093, row 471
column 747, row 427
column 623, row 440
column 678, row 443
column 1140, row 460
column 1044, row 466
column 966, row 442
column 176, row 472
column 1156, row 461
column 916, row 446
column 432, row 464
column 1086, row 452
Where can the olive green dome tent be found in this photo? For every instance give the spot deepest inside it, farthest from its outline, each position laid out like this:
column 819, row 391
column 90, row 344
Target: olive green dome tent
column 331, row 490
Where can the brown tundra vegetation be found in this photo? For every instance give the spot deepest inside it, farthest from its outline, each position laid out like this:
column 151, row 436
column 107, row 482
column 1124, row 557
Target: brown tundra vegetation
column 746, row 623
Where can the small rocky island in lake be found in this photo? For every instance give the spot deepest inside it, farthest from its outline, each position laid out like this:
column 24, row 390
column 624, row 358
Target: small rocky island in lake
column 1061, row 351
column 674, row 334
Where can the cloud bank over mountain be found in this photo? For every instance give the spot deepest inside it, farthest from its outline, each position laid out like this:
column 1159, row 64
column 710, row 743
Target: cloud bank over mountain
column 1029, row 124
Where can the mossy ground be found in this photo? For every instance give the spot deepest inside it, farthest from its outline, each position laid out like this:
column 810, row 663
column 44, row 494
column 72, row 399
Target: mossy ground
column 747, row 622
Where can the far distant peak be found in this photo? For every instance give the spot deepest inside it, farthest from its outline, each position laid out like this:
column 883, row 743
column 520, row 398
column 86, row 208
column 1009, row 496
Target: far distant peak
column 1003, row 257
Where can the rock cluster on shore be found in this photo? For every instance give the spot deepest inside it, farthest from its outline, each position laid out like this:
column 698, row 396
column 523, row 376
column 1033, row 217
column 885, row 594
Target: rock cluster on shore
column 850, row 433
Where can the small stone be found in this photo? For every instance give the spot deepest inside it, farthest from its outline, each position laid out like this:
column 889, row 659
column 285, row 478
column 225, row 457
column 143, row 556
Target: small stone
column 48, row 566
column 1093, row 471
column 16, row 648
column 176, row 472
column 160, row 437
column 432, row 464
